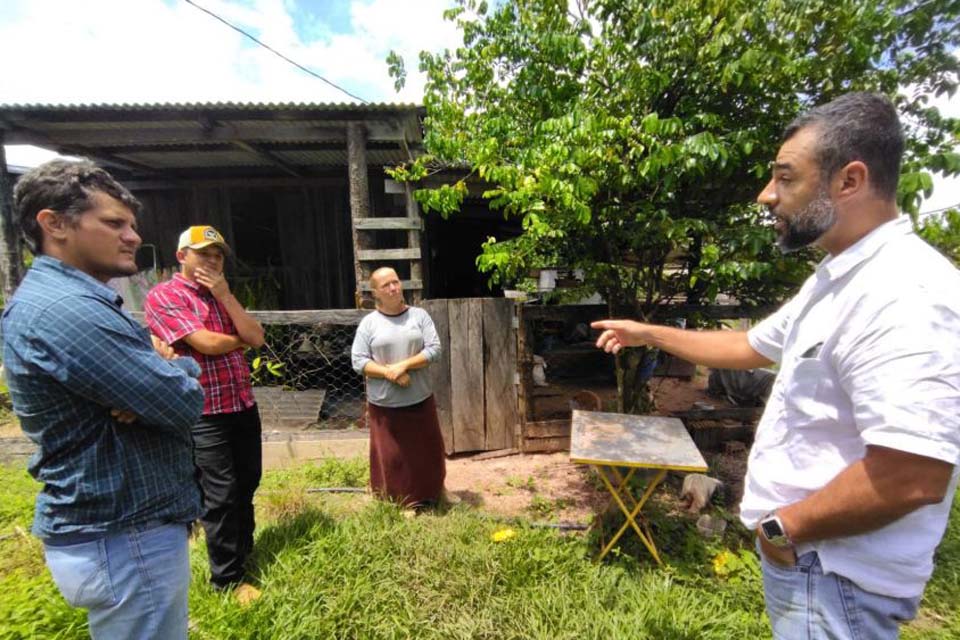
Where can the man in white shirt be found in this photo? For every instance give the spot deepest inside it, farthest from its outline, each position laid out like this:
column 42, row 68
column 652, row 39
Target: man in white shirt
column 853, row 469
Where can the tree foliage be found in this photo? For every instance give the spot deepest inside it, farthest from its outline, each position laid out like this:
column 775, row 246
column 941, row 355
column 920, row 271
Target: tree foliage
column 632, row 136
column 943, row 232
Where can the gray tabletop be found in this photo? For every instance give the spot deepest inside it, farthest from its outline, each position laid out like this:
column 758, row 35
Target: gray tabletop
column 633, row 441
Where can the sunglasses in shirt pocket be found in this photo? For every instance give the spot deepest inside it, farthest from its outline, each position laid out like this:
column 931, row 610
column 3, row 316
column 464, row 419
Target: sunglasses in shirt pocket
column 810, row 391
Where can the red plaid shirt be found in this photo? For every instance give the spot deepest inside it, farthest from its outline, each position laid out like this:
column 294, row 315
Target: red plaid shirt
column 178, row 307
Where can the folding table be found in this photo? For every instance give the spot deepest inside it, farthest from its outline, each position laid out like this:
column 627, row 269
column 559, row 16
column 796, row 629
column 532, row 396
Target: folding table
column 609, row 441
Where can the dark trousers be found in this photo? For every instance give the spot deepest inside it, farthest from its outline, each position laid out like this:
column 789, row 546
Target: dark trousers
column 227, row 454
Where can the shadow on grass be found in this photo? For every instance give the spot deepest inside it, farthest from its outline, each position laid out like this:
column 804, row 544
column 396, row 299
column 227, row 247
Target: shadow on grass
column 294, row 531
column 674, row 534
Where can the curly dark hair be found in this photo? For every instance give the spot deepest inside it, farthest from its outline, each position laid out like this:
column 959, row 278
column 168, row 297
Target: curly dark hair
column 857, row 126
column 64, row 186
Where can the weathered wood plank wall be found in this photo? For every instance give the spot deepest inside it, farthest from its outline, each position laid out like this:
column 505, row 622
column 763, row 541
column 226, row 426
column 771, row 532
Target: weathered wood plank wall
column 440, row 371
column 313, row 223
column 499, row 375
column 474, row 381
column 466, row 373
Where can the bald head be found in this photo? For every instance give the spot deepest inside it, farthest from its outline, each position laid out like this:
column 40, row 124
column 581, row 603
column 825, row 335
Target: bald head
column 378, row 276
column 387, row 290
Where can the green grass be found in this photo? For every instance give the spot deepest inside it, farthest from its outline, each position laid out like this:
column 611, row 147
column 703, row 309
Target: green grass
column 342, row 566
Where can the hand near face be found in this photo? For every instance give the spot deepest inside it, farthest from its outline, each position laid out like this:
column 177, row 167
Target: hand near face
column 215, row 282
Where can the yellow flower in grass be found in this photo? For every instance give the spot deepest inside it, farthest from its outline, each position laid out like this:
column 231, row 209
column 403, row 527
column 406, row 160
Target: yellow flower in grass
column 502, row 535
column 721, row 563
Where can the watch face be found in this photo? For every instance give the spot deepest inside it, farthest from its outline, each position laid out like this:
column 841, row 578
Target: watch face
column 771, row 529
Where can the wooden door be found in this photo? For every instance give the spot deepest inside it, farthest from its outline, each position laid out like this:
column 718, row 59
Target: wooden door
column 474, row 381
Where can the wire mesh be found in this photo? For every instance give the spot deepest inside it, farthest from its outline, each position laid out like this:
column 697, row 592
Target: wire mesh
column 303, row 378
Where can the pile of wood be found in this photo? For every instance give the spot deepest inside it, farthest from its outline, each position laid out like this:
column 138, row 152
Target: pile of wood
column 712, row 428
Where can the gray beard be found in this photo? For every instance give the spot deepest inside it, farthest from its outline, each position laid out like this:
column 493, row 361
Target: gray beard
column 807, row 225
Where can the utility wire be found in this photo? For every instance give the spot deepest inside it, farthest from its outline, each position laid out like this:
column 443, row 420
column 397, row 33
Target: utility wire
column 275, row 52
column 941, row 210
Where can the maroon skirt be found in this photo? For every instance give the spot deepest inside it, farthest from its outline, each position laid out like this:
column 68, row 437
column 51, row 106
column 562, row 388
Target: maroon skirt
column 407, row 459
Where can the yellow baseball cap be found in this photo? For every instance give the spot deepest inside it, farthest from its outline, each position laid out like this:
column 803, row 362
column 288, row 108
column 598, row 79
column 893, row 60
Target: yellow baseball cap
column 201, row 236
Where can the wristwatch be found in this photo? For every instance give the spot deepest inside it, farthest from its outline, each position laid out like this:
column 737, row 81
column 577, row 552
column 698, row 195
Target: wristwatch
column 771, row 528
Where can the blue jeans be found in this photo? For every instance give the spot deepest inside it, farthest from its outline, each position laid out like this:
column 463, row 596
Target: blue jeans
column 805, row 604
column 133, row 583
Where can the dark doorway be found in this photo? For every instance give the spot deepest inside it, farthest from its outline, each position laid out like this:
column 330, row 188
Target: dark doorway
column 256, row 250
column 454, row 245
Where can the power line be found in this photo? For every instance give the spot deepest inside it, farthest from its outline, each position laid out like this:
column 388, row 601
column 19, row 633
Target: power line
column 275, row 52
column 942, row 210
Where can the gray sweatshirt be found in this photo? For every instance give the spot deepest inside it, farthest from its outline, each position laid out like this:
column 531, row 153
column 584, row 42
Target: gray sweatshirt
column 387, row 339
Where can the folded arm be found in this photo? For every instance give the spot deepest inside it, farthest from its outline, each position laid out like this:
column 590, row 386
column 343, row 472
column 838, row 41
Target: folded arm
column 113, row 363
column 213, row 343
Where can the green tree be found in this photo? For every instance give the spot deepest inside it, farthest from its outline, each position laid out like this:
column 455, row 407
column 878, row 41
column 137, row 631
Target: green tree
column 631, row 136
column 943, row 232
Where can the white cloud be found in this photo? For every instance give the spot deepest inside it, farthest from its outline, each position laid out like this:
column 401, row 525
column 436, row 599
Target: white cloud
column 154, row 51
column 116, row 51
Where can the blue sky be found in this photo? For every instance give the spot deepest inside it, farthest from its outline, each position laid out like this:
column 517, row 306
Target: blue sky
column 69, row 51
column 109, row 51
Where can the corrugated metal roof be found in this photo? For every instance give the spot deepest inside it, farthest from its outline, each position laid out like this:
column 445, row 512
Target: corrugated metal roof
column 145, row 138
column 239, row 158
column 240, row 106
column 195, row 159
column 336, row 157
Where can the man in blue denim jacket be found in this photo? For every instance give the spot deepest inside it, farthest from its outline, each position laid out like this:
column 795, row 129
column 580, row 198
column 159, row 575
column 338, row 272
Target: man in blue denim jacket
column 110, row 417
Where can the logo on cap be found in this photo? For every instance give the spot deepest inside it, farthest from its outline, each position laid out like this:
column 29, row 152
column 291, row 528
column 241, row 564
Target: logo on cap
column 200, row 236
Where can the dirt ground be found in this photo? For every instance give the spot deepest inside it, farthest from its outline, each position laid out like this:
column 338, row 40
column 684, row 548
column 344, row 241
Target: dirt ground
column 550, row 488
column 539, row 486
column 10, row 429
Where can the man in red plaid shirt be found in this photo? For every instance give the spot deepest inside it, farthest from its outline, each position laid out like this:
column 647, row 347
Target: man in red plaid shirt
column 196, row 313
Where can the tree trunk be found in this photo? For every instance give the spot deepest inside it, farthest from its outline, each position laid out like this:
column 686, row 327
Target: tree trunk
column 634, row 368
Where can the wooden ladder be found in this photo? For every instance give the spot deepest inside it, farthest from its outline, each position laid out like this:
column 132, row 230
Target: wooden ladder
column 368, row 259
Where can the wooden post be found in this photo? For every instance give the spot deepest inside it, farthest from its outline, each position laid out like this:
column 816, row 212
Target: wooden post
column 439, row 372
column 359, row 197
column 11, row 257
column 413, row 242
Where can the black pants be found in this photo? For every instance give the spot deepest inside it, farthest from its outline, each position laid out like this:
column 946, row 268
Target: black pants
column 227, row 454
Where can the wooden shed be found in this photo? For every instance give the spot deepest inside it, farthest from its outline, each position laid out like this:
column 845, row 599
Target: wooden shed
column 300, row 193
column 299, row 190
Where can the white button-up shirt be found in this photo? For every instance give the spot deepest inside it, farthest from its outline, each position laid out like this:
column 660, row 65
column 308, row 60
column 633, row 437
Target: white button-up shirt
column 869, row 354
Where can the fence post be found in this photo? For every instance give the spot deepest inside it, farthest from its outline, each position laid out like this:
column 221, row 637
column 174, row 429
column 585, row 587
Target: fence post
column 11, row 258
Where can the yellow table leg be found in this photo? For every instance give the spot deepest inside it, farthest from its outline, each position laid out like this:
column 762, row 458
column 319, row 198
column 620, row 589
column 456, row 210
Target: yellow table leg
column 622, row 483
column 645, row 538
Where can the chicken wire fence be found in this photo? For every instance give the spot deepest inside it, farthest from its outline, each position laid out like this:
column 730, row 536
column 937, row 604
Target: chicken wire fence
column 303, row 378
